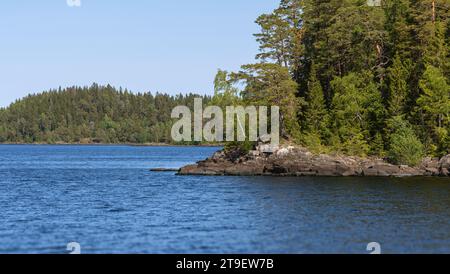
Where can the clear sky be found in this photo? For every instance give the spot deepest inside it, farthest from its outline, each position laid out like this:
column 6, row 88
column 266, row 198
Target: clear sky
column 144, row 45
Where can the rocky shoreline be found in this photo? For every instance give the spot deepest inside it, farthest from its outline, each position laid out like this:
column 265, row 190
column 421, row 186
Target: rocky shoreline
column 297, row 161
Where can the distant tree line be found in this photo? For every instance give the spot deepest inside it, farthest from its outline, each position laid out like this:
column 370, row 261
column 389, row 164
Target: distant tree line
column 99, row 114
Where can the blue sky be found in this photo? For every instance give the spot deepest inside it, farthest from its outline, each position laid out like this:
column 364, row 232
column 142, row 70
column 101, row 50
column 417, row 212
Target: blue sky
column 143, row 45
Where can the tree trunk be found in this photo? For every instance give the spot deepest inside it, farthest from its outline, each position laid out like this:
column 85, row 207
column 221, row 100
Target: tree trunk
column 433, row 17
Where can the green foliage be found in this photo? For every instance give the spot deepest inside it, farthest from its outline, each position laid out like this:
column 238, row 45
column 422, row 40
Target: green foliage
column 313, row 142
column 235, row 150
column 398, row 76
column 280, row 36
column 225, row 94
column 435, row 99
column 357, row 111
column 404, row 147
column 341, row 37
column 100, row 114
column 316, row 114
column 434, row 106
column 271, row 85
column 357, row 67
column 377, row 145
column 398, row 16
column 428, row 26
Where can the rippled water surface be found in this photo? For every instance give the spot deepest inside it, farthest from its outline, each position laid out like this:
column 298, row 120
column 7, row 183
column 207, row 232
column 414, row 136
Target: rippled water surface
column 106, row 199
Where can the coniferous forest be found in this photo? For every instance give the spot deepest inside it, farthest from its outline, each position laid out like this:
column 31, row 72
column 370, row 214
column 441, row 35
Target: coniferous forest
column 356, row 79
column 99, row 114
column 349, row 78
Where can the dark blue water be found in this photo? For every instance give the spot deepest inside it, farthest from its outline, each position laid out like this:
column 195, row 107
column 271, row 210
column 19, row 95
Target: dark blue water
column 106, row 199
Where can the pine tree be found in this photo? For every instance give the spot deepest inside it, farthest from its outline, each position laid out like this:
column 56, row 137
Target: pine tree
column 429, row 27
column 280, row 34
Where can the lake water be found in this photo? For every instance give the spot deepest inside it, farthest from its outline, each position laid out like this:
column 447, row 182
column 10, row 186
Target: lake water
column 106, row 199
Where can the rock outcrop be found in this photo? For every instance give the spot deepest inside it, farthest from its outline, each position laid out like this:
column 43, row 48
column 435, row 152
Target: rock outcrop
column 297, row 161
column 444, row 166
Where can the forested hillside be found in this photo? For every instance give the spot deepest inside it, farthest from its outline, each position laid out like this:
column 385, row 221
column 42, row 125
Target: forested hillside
column 356, row 79
column 100, row 114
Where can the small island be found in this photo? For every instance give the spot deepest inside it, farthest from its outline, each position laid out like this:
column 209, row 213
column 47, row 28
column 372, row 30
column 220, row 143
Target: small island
column 298, row 161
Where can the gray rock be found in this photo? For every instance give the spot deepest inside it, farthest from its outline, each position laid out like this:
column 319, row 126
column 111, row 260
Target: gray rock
column 295, row 161
column 444, row 166
column 267, row 148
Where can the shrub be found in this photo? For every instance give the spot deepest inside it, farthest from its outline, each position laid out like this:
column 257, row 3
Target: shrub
column 404, row 146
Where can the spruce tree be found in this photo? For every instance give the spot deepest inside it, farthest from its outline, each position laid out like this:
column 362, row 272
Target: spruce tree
column 434, row 106
column 398, row 76
column 316, row 119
